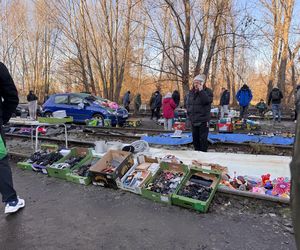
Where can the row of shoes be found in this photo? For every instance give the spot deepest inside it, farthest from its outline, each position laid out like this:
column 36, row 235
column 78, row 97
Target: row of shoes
column 166, row 182
column 70, row 163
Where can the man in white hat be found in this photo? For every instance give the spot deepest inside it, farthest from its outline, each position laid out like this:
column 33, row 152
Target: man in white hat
column 198, row 104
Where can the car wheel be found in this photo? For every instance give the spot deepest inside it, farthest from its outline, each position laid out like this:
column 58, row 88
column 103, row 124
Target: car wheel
column 99, row 117
column 48, row 114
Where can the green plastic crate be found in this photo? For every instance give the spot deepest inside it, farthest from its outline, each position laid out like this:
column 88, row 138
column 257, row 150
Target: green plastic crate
column 82, row 179
column 161, row 197
column 62, row 173
column 78, row 179
column 24, row 165
column 28, row 166
column 200, row 206
column 53, row 120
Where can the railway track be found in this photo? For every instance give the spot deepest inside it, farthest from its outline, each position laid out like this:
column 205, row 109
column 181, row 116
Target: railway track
column 89, row 137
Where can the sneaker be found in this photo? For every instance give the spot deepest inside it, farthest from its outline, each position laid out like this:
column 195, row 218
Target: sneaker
column 14, row 206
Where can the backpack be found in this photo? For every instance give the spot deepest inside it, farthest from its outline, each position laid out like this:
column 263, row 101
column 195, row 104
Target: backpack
column 276, row 94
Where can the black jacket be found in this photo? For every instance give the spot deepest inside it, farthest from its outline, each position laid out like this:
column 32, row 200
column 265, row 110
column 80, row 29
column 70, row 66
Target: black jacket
column 31, row 97
column 176, row 97
column 225, row 98
column 157, row 101
column 8, row 95
column 271, row 97
column 198, row 105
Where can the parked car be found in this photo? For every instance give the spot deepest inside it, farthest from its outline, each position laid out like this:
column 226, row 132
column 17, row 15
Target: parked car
column 23, row 108
column 83, row 106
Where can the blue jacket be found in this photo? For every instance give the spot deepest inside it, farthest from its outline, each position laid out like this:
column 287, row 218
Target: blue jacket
column 244, row 96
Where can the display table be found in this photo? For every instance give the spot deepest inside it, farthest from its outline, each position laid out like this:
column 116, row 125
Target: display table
column 35, row 125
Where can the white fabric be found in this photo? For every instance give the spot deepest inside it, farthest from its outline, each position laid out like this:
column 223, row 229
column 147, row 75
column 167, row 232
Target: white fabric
column 224, row 110
column 32, row 106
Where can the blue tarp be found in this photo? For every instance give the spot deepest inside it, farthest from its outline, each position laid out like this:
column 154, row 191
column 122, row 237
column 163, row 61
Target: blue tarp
column 166, row 139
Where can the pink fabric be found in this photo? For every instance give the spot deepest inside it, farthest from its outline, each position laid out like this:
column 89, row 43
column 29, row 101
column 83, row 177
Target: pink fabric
column 168, row 108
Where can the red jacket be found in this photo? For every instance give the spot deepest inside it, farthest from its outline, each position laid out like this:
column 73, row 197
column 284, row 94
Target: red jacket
column 168, row 108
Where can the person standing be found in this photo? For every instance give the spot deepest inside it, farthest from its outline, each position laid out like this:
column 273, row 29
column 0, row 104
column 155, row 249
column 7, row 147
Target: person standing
column 137, row 102
column 8, row 102
column 176, row 97
column 244, row 97
column 32, row 104
column 157, row 104
column 198, row 103
column 126, row 100
column 151, row 103
column 224, row 101
column 168, row 111
column 275, row 97
column 297, row 102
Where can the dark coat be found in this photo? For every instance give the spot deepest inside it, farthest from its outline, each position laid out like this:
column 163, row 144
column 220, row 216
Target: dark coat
column 157, row 101
column 225, row 98
column 277, row 100
column 31, row 97
column 8, row 95
column 152, row 102
column 198, row 104
column 176, row 97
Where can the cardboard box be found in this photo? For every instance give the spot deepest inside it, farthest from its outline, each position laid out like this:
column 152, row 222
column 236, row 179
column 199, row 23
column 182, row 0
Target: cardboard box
column 145, row 168
column 123, row 160
column 179, row 126
column 225, row 127
column 198, row 205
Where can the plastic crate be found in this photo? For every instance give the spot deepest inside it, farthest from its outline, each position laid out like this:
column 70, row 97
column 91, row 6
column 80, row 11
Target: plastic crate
column 83, row 180
column 200, row 206
column 53, row 120
column 28, row 166
column 161, row 197
column 109, row 179
column 62, row 173
column 24, row 165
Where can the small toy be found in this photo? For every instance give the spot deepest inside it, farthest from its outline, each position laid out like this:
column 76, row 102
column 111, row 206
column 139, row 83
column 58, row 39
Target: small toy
column 265, row 178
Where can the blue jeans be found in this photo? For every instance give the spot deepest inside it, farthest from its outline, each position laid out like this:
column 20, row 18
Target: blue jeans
column 276, row 112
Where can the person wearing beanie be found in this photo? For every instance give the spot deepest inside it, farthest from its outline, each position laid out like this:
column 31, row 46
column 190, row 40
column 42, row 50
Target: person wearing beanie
column 198, row 104
column 168, row 106
column 244, row 97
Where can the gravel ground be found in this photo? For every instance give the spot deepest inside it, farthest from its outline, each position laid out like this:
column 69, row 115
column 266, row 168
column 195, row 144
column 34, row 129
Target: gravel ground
column 62, row 215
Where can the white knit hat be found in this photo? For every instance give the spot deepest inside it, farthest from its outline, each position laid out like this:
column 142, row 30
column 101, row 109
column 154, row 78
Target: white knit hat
column 200, row 78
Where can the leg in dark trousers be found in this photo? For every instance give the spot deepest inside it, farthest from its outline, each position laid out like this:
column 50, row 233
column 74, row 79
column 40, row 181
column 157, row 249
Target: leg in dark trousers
column 152, row 113
column 157, row 113
column 200, row 134
column 203, row 136
column 6, row 183
column 196, row 137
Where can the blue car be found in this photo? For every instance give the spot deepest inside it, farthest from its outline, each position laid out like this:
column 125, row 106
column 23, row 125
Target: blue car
column 83, row 106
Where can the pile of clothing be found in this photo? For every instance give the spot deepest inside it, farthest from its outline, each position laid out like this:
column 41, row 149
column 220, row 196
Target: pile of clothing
column 166, row 182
